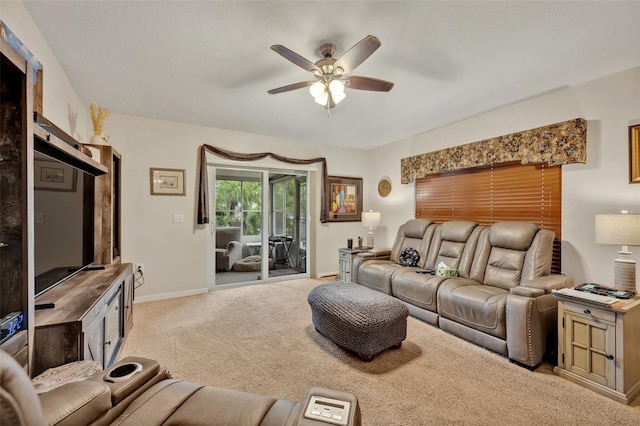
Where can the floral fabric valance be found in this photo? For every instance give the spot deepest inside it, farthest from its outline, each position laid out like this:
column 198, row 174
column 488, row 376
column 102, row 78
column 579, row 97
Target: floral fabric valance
column 556, row 144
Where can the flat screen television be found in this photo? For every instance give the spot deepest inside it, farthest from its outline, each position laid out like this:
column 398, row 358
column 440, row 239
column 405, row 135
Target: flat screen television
column 63, row 220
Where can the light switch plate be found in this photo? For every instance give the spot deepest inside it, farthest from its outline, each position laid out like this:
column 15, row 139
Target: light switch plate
column 178, row 218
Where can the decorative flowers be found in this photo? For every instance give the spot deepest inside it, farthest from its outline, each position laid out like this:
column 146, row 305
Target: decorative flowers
column 98, row 114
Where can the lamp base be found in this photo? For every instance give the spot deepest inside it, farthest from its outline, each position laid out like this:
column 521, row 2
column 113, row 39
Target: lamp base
column 370, row 239
column 624, row 270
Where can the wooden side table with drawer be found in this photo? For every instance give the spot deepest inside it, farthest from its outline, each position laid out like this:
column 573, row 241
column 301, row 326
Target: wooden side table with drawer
column 599, row 346
column 346, row 256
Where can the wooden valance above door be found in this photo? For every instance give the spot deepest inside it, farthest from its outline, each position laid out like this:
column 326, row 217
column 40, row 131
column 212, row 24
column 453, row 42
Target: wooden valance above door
column 555, row 144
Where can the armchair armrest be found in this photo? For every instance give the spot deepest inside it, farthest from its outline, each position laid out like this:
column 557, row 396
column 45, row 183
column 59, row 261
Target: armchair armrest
column 547, row 283
column 76, row 403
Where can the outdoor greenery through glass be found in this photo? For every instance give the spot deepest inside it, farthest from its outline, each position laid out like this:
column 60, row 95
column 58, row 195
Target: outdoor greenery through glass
column 239, row 203
column 284, row 206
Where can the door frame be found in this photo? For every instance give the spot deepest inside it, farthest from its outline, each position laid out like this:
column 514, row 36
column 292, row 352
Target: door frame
column 265, row 167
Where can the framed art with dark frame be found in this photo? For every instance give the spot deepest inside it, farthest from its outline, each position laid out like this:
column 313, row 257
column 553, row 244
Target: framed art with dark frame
column 167, row 181
column 634, row 154
column 54, row 176
column 345, row 202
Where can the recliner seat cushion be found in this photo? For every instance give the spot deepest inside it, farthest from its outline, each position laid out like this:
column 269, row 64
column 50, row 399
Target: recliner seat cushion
column 417, row 289
column 173, row 402
column 477, row 306
column 376, row 274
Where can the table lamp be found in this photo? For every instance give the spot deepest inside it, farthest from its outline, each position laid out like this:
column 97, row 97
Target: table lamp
column 622, row 229
column 370, row 219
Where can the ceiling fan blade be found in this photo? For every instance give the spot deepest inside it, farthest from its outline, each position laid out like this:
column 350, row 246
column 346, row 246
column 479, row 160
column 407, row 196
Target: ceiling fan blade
column 358, row 53
column 289, row 87
column 368, row 83
column 292, row 56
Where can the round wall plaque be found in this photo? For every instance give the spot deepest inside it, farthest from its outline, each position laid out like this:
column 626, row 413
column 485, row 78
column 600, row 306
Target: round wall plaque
column 384, row 187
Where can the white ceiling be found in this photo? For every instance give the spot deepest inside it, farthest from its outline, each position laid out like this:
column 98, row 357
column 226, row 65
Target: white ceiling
column 209, row 62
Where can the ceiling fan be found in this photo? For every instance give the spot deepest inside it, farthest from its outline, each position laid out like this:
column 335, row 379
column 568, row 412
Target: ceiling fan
column 330, row 73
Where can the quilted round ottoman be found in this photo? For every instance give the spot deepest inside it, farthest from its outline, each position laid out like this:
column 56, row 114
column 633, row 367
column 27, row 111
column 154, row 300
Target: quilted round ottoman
column 359, row 319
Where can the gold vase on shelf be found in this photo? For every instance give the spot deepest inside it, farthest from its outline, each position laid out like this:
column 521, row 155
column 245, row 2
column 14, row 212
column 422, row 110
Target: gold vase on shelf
column 98, row 115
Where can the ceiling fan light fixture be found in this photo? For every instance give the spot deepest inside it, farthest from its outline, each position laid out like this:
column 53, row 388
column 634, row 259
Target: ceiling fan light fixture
column 339, row 97
column 336, row 87
column 329, row 87
column 322, row 99
column 317, row 89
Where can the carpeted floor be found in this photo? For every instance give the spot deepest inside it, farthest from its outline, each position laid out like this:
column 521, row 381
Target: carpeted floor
column 260, row 339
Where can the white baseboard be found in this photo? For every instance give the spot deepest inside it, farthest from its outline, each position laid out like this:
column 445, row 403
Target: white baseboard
column 172, row 295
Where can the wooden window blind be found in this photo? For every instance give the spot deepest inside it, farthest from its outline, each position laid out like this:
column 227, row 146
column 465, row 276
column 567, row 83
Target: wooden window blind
column 527, row 193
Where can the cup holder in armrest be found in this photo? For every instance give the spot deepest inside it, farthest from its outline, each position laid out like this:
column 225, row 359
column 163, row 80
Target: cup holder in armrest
column 123, row 372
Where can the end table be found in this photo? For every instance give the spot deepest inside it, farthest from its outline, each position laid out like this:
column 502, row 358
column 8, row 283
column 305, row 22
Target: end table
column 346, row 256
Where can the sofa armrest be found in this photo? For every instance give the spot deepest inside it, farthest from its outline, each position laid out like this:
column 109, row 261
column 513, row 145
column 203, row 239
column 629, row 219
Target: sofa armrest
column 548, row 283
column 376, row 254
column 527, row 291
column 121, row 389
column 76, row 403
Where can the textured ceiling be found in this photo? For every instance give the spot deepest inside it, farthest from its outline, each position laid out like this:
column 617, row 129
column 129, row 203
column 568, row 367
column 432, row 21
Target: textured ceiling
column 209, row 63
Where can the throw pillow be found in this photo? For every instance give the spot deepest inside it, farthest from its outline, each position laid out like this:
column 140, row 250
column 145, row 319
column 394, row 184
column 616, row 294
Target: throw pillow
column 409, row 257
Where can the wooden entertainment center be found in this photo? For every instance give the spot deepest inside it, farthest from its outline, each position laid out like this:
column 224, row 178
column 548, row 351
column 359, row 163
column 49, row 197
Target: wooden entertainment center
column 90, row 320
column 87, row 316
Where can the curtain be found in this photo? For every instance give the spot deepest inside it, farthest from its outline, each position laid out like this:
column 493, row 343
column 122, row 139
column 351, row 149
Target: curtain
column 203, row 185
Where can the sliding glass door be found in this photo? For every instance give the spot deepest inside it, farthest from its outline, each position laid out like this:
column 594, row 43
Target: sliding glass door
column 260, row 225
column 238, row 226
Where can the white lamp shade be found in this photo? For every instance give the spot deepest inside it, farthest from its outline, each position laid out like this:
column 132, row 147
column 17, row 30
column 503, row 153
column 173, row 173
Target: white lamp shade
column 618, row 229
column 371, row 218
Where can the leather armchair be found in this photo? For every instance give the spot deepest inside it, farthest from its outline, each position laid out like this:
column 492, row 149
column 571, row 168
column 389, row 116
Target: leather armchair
column 148, row 397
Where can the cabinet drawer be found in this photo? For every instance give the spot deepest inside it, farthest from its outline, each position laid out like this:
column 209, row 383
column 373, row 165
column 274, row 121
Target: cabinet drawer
column 591, row 312
column 345, row 256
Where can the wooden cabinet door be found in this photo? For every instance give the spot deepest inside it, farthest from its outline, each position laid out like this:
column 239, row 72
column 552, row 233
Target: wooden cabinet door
column 93, row 336
column 590, row 348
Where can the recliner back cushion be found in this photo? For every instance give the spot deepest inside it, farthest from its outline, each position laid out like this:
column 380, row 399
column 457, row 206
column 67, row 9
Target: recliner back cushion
column 409, row 235
column 509, row 242
column 504, row 268
column 457, row 244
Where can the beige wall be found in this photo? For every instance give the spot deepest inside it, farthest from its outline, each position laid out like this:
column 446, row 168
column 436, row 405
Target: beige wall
column 175, row 255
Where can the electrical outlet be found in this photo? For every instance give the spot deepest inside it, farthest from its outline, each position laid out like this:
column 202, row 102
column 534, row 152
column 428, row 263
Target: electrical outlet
column 140, row 268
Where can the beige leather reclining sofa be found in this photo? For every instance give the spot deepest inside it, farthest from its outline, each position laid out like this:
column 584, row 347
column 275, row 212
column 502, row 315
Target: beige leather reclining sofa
column 150, row 397
column 501, row 298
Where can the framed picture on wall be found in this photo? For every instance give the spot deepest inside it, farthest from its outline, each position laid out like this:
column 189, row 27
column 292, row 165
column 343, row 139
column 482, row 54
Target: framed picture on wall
column 634, row 154
column 167, row 181
column 54, row 176
column 345, row 199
